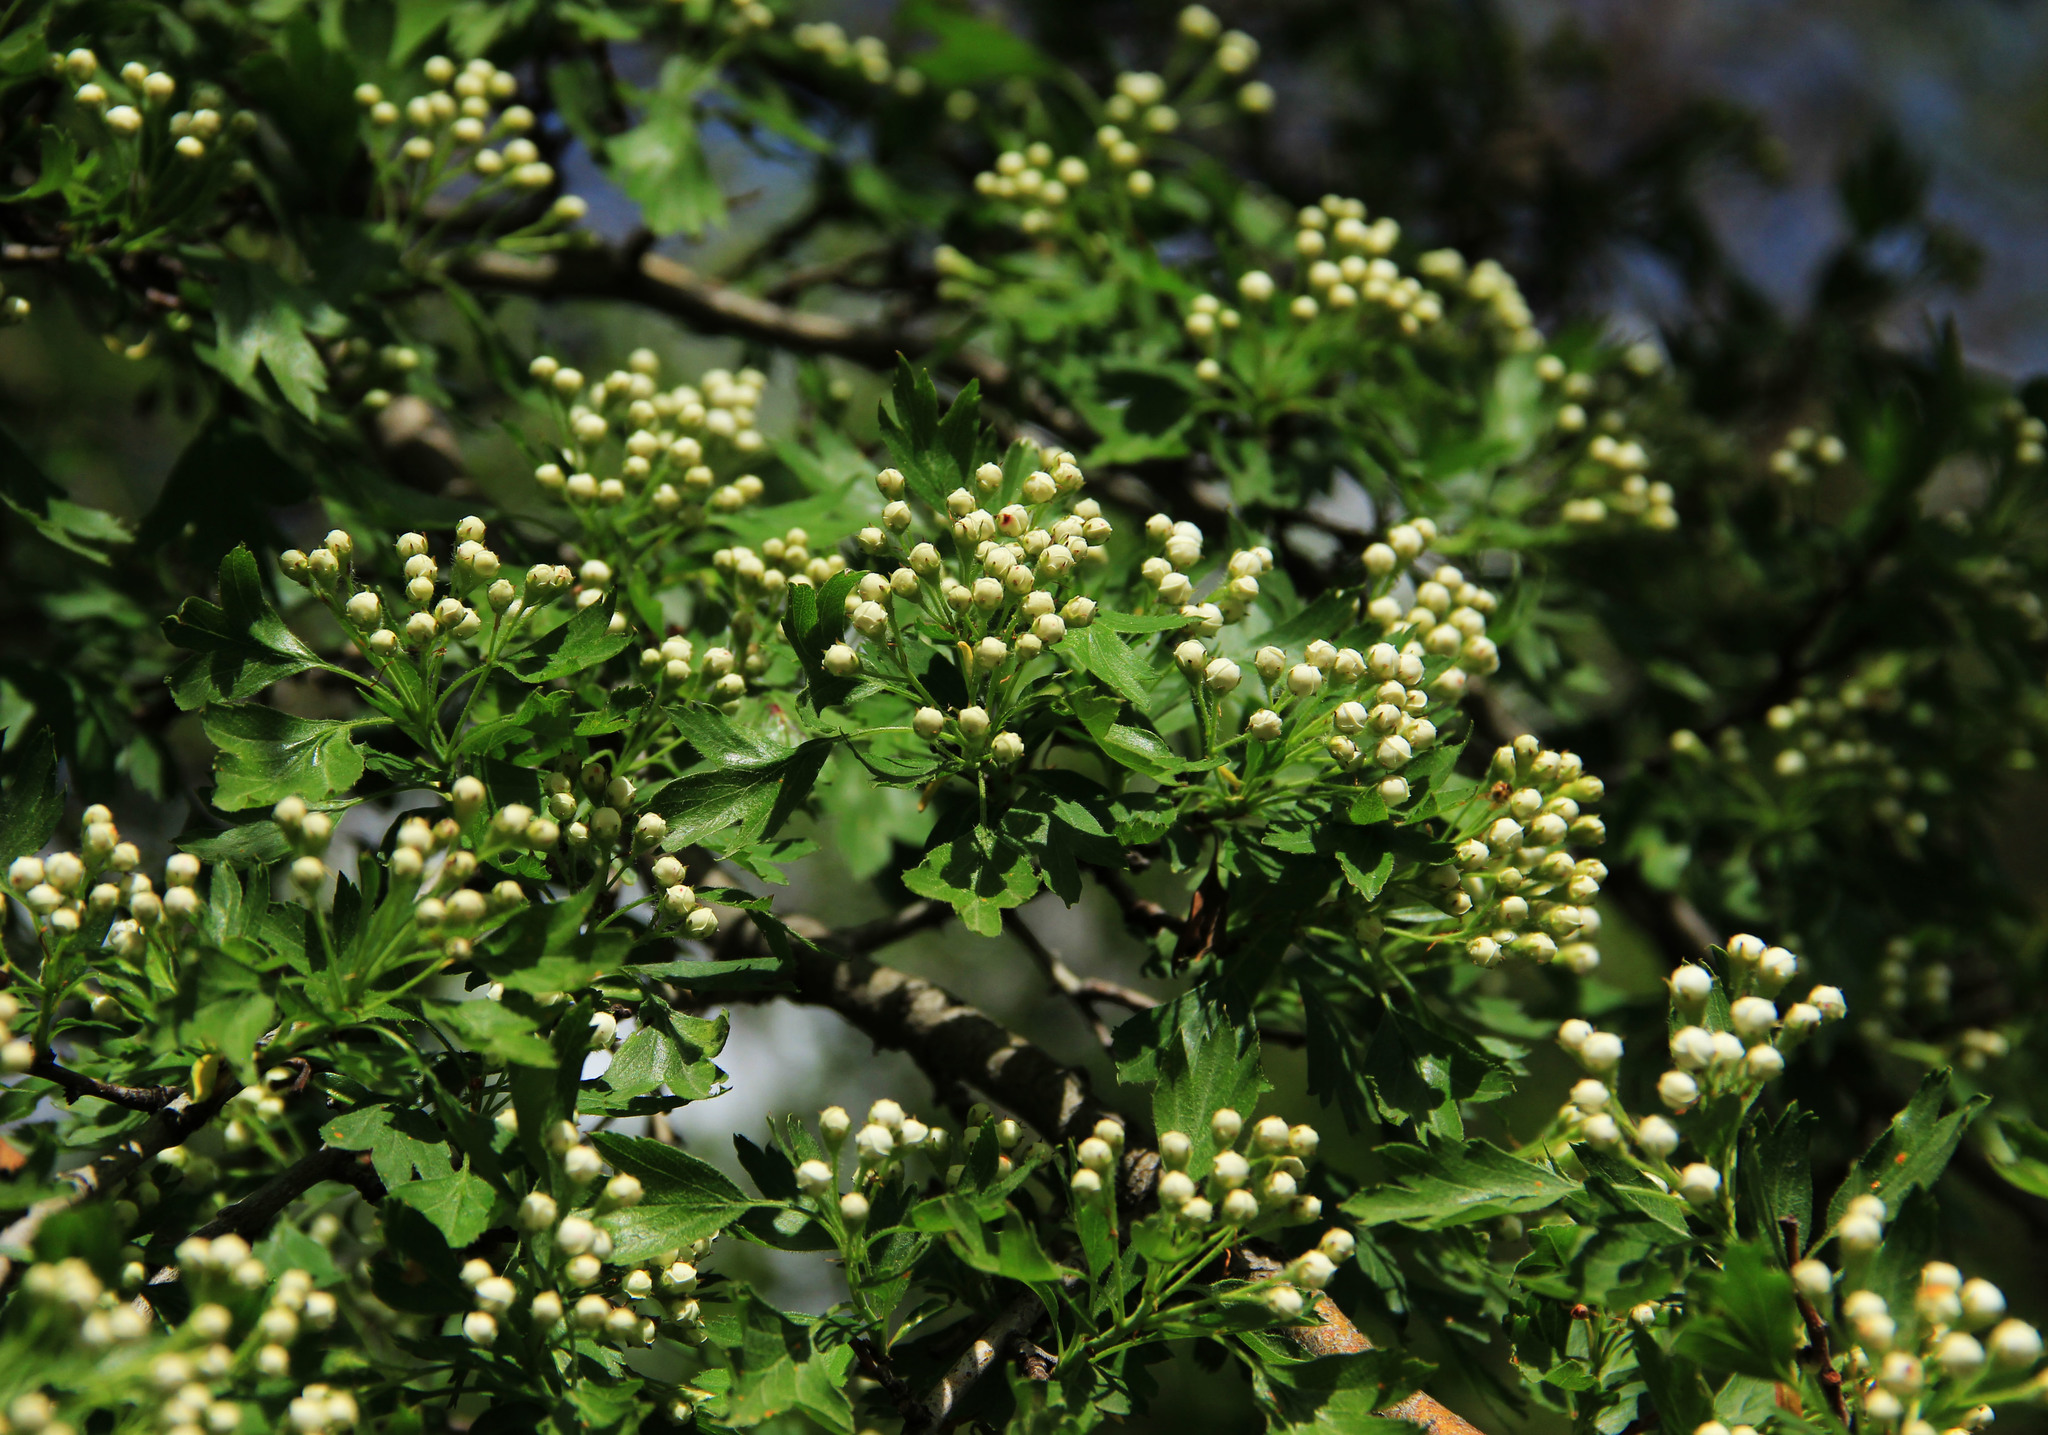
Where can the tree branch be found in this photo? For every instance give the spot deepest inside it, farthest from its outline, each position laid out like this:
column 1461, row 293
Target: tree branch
column 253, row 1215
column 1082, row 994
column 169, row 1127
column 671, row 288
column 77, row 1084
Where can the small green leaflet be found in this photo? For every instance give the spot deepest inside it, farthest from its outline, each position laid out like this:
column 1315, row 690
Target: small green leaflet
column 1448, row 1185
column 687, row 1199
column 1198, row 1057
column 740, row 802
column 1102, row 654
column 581, row 643
column 28, row 493
column 264, row 320
column 30, row 804
column 266, row 755
column 660, row 162
column 980, row 874
column 1913, row 1151
column 1743, row 1319
column 936, row 455
column 240, row 645
column 461, row 1204
column 400, row 1141
column 496, row 1030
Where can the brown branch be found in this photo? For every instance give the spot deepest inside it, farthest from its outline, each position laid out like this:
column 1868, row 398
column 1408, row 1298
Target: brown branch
column 253, row 1215
column 664, row 285
column 77, row 1084
column 169, row 1127
column 1082, row 995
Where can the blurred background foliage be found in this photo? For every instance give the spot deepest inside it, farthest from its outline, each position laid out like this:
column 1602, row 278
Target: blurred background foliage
column 1811, row 205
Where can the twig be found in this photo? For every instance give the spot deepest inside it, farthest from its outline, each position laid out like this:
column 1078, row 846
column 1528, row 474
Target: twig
column 1015, row 1321
column 663, row 284
column 887, row 931
column 77, row 1084
column 1076, row 991
column 253, row 1215
column 169, row 1127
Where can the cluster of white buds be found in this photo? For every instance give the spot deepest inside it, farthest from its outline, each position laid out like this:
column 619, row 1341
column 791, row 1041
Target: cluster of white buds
column 628, row 1306
column 1234, row 54
column 307, row 833
column 1342, row 269
column 1382, row 727
column 250, row 1106
column 1444, row 615
column 137, row 95
column 1531, row 897
column 1040, row 181
column 225, row 1266
column 999, row 585
column 320, row 1408
column 2029, row 434
column 1804, row 454
column 66, row 891
column 678, row 903
column 1612, row 482
column 633, row 455
column 1253, row 1183
column 1178, row 552
column 868, row 55
column 1955, row 1348
column 1707, row 1063
column 459, row 129
column 444, row 909
column 1812, row 742
column 882, row 1148
column 1137, row 114
column 429, row 609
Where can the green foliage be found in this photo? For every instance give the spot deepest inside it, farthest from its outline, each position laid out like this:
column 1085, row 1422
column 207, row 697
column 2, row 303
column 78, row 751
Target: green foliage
column 1206, row 560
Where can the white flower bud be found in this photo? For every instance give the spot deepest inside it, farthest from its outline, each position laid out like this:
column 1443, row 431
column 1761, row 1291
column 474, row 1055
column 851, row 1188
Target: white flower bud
column 1699, row 1183
column 1657, row 1136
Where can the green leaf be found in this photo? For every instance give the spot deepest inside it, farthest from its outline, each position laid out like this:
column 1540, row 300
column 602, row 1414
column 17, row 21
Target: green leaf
column 1451, row 1185
column 496, row 1030
column 935, row 454
column 1742, row 1319
column 739, row 803
column 2027, row 1166
column 686, row 1199
column 1198, row 1057
column 1099, row 652
column 264, row 320
column 30, row 802
column 1676, row 1390
column 579, row 644
column 461, row 1204
column 31, row 496
column 266, row 755
column 241, row 645
column 980, row 874
column 400, row 1141
column 1913, row 1151
column 660, row 162
column 1774, row 1172
column 1017, row 1255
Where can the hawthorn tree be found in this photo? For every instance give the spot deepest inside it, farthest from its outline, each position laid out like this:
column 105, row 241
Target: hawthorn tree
column 1543, row 796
